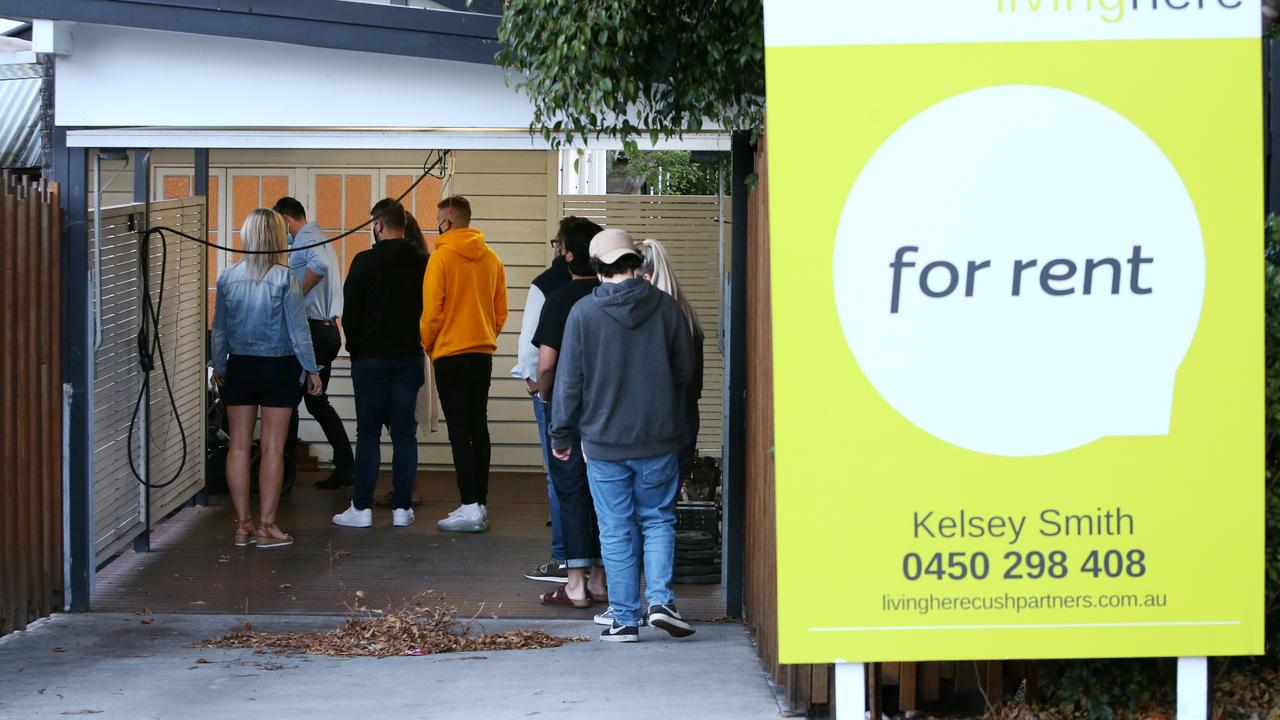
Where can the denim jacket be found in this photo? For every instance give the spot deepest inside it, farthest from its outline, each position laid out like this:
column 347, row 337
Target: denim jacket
column 261, row 318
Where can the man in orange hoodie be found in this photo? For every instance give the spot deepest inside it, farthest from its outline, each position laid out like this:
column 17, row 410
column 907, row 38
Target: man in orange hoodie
column 464, row 305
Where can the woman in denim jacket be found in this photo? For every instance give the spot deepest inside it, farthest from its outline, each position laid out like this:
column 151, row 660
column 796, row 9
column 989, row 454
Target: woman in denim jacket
column 261, row 345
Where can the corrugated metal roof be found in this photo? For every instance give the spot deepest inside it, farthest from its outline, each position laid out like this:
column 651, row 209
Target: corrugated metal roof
column 20, row 123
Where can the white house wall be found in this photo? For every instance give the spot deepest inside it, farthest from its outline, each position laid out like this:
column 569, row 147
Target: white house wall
column 125, row 76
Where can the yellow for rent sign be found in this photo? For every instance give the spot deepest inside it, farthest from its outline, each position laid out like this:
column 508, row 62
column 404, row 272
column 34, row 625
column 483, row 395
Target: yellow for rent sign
column 1018, row 327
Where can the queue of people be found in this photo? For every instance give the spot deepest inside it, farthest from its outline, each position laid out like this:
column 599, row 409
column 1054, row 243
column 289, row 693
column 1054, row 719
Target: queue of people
column 609, row 350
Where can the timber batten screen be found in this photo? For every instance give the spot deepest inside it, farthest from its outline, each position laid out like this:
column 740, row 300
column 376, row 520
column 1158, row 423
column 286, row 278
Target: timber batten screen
column 119, row 503
column 689, row 226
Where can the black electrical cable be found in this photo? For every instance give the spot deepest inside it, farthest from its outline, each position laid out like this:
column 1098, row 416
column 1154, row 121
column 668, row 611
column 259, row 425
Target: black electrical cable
column 149, row 351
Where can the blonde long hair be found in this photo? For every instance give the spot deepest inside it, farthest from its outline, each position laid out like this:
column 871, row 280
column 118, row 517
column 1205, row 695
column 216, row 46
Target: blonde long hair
column 264, row 229
column 657, row 269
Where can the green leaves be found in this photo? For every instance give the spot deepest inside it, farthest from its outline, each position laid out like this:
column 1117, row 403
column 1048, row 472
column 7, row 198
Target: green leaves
column 1273, row 433
column 627, row 69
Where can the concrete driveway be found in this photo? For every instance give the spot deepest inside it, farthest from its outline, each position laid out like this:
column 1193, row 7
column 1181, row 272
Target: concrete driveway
column 135, row 667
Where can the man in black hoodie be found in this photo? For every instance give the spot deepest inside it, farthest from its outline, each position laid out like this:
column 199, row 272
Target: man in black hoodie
column 625, row 355
column 383, row 296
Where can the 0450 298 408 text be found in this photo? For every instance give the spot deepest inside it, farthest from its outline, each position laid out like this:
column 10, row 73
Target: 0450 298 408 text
column 1028, row 565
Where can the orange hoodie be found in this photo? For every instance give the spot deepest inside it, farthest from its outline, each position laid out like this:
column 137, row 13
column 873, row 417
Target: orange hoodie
column 464, row 296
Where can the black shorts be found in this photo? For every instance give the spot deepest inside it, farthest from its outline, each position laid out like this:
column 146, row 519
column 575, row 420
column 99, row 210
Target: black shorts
column 265, row 381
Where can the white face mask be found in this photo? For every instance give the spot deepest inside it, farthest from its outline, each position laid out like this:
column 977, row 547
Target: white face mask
column 373, row 229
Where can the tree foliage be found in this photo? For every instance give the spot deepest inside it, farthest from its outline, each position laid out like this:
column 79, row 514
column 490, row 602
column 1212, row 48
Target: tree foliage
column 680, row 175
column 627, row 69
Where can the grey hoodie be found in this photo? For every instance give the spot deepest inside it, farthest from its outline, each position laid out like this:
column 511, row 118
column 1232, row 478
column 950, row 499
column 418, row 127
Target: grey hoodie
column 625, row 356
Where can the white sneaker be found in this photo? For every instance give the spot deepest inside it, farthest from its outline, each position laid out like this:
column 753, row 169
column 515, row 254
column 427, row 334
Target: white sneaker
column 468, row 518
column 402, row 518
column 484, row 512
column 606, row 618
column 352, row 517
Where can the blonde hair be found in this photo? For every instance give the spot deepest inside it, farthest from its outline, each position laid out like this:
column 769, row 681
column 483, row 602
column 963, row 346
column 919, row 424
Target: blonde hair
column 658, row 269
column 264, row 229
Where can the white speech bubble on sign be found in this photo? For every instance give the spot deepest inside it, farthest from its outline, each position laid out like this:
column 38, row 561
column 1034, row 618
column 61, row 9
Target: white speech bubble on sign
column 1006, row 176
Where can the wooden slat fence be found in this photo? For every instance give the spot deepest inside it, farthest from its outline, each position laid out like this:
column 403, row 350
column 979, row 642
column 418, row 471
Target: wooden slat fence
column 689, row 227
column 119, row 510
column 31, row 571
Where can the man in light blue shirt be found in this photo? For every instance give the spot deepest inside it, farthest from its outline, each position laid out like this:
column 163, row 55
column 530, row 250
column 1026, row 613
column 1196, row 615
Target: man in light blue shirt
column 316, row 265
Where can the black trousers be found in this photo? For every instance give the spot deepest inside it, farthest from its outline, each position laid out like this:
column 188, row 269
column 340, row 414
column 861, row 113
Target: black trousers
column 326, row 341
column 578, row 524
column 462, row 382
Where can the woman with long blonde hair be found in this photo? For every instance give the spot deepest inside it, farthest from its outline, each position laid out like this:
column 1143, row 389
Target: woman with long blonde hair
column 657, row 269
column 261, row 346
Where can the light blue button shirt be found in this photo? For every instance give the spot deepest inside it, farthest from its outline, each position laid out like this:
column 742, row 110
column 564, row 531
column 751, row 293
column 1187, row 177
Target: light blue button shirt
column 324, row 301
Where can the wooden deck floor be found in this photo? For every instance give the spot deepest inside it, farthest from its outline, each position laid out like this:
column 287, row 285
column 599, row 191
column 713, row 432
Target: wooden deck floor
column 193, row 566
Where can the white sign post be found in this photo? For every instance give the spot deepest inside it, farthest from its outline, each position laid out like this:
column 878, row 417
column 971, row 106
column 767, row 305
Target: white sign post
column 851, row 691
column 1193, row 688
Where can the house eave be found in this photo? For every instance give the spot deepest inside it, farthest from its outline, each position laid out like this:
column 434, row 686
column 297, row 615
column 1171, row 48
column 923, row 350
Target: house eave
column 335, row 24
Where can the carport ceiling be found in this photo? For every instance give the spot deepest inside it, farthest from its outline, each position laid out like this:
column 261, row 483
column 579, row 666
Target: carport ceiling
column 338, row 24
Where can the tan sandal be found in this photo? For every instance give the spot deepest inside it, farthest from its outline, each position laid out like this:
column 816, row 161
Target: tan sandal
column 271, row 536
column 246, row 534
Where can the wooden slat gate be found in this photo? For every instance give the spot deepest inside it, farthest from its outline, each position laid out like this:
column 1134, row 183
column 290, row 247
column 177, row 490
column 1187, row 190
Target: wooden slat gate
column 119, row 501
column 31, row 568
column 689, row 226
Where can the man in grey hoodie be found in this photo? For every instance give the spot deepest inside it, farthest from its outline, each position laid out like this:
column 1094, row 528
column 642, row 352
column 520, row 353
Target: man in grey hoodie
column 625, row 354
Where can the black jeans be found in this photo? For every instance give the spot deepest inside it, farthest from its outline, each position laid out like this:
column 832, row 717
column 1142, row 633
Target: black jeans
column 326, row 341
column 578, row 524
column 463, row 384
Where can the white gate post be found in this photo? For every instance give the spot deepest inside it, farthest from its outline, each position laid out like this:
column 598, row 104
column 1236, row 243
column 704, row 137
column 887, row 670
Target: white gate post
column 1193, row 688
column 851, row 691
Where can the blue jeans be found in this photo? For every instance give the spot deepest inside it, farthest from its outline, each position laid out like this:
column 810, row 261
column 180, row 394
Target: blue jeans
column 386, row 391
column 636, row 499
column 557, row 537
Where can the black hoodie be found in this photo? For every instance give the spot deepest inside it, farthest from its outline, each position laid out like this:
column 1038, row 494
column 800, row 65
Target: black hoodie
column 382, row 301
column 626, row 354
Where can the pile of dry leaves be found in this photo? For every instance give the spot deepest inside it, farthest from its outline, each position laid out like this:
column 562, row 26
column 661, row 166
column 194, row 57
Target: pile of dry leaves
column 412, row 630
column 1246, row 694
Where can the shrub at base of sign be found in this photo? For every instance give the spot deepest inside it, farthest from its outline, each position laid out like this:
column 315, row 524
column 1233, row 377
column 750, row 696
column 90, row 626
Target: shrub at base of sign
column 1273, row 438
column 1108, row 689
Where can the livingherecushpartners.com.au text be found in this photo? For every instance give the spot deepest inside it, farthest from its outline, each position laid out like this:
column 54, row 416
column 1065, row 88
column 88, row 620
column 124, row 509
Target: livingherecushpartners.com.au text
column 1003, row 602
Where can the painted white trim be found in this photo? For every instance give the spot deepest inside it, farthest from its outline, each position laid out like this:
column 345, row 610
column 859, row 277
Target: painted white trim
column 51, row 38
column 1032, row 626
column 355, row 139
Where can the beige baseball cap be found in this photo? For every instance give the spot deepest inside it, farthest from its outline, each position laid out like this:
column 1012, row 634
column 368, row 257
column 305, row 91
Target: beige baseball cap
column 609, row 245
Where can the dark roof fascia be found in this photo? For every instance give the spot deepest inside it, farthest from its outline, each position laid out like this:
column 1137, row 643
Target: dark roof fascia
column 337, row 24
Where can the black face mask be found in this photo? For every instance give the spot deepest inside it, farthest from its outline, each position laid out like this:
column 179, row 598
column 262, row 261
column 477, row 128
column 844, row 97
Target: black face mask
column 440, row 228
